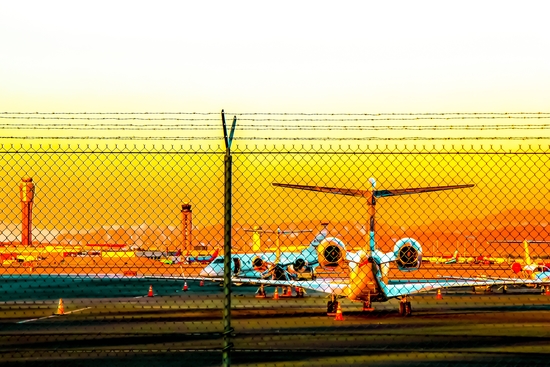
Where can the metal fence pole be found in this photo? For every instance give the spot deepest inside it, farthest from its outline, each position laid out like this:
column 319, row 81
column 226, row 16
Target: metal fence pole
column 227, row 329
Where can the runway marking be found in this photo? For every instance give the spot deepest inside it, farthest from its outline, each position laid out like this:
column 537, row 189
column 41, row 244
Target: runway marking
column 80, row 309
column 47, row 317
column 40, row 318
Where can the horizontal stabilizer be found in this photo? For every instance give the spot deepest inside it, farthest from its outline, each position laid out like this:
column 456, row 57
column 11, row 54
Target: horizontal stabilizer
column 280, row 231
column 519, row 241
column 376, row 193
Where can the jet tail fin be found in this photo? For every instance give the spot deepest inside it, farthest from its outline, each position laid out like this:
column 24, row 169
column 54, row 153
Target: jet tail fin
column 527, row 256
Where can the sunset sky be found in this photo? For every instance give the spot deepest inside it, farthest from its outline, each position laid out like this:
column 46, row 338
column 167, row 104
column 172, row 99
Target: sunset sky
column 279, row 57
column 284, row 56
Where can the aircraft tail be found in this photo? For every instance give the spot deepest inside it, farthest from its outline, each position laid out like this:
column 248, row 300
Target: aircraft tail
column 320, row 237
column 527, row 257
column 214, row 255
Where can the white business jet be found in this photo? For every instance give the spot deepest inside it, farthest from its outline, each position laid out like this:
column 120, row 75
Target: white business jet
column 368, row 269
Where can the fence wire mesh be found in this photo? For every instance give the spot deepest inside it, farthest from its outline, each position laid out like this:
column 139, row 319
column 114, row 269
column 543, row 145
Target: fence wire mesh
column 114, row 253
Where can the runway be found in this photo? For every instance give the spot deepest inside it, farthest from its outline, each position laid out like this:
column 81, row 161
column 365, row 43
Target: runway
column 117, row 324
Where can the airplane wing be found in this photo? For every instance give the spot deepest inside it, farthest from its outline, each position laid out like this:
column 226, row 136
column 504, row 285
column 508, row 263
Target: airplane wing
column 419, row 286
column 394, row 288
column 324, row 285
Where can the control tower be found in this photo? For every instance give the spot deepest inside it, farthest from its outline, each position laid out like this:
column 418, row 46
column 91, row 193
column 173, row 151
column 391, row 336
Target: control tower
column 26, row 194
column 187, row 227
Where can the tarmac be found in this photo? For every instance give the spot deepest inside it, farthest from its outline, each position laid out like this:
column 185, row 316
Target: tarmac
column 112, row 321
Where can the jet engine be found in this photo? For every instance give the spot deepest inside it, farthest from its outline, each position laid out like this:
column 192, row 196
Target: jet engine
column 408, row 254
column 331, row 252
column 278, row 273
column 259, row 264
column 299, row 265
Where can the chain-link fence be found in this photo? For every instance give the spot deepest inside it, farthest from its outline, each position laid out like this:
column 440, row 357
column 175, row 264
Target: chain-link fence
column 343, row 253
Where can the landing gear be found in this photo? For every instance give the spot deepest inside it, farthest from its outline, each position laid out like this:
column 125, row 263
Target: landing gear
column 405, row 307
column 332, row 305
column 260, row 293
column 367, row 305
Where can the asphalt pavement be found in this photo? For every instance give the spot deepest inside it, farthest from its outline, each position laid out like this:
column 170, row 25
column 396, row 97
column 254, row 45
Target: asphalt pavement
column 115, row 322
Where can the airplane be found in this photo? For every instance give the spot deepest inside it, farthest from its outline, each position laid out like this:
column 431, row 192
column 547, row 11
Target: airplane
column 368, row 281
column 531, row 269
column 206, row 259
column 443, row 259
column 454, row 259
column 279, row 265
column 176, row 258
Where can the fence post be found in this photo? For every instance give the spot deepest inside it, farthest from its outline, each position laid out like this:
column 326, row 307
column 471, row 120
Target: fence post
column 227, row 329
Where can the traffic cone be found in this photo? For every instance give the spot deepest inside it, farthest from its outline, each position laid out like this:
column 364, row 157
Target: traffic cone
column 547, row 291
column 276, row 294
column 439, row 296
column 339, row 315
column 150, row 294
column 287, row 292
column 201, row 284
column 60, row 308
column 185, row 287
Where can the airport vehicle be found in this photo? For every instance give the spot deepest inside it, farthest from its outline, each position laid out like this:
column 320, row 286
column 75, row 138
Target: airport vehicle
column 368, row 268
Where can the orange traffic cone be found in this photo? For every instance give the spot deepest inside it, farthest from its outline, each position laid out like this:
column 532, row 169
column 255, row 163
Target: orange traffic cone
column 276, row 294
column 439, row 296
column 150, row 294
column 185, row 287
column 201, row 283
column 339, row 315
column 60, row 308
column 547, row 291
column 287, row 292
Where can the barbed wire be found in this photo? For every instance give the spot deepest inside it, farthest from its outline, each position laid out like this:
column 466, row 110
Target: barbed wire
column 199, row 138
column 109, row 113
column 342, row 120
column 54, row 126
column 281, row 113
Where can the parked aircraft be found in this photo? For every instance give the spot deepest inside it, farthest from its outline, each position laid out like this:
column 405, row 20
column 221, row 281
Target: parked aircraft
column 530, row 269
column 205, row 259
column 446, row 259
column 282, row 265
column 368, row 269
